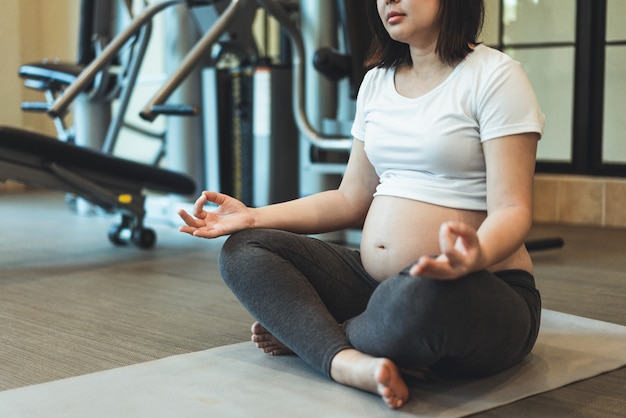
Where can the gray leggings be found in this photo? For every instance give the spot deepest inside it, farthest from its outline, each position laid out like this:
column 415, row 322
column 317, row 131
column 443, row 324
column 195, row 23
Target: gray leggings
column 317, row 299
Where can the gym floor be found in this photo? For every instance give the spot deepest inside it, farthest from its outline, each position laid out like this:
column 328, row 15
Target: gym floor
column 71, row 303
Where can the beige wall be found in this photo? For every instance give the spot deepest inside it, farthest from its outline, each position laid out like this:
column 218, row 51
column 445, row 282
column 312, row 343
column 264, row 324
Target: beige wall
column 30, row 31
column 10, row 42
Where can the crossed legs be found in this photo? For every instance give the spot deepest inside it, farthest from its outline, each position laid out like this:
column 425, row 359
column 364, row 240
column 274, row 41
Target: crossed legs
column 301, row 289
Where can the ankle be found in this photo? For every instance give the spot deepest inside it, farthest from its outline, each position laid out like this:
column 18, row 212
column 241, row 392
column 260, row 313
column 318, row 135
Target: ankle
column 347, row 366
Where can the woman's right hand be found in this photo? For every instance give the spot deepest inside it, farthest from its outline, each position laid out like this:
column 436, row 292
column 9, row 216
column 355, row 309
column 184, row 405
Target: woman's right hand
column 230, row 216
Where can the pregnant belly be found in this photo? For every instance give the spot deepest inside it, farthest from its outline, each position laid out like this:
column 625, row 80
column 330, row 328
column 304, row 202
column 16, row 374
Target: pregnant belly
column 398, row 231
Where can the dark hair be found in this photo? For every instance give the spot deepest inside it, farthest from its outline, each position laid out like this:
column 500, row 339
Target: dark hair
column 461, row 22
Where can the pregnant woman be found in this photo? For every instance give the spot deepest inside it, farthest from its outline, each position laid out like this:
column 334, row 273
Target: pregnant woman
column 440, row 180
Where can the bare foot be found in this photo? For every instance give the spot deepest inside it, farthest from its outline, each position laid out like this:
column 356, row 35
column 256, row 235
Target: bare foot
column 267, row 342
column 376, row 375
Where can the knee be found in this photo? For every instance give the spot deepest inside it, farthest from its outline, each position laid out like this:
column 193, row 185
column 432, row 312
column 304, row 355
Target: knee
column 244, row 250
column 401, row 319
column 417, row 305
column 405, row 293
column 232, row 249
column 241, row 241
column 235, row 244
column 236, row 252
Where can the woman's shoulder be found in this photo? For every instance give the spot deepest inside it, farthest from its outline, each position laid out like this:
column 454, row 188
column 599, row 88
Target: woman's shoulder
column 377, row 75
column 485, row 60
column 375, row 82
column 486, row 67
column 490, row 54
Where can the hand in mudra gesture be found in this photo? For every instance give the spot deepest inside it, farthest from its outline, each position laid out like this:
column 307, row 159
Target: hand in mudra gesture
column 460, row 254
column 230, row 216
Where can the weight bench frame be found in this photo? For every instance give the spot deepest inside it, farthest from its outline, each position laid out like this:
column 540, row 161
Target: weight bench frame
column 112, row 183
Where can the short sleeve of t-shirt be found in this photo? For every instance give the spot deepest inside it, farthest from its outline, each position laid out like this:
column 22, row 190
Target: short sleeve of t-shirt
column 506, row 103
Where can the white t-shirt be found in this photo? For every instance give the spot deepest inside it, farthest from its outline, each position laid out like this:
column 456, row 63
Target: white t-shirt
column 429, row 148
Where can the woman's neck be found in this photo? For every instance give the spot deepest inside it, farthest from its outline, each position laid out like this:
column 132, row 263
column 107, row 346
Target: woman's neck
column 425, row 73
column 426, row 64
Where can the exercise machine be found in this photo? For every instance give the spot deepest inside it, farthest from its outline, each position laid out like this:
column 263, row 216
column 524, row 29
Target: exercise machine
column 67, row 163
column 79, row 160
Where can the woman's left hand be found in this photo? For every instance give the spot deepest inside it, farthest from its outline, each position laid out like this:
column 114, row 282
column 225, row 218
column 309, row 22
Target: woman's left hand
column 460, row 254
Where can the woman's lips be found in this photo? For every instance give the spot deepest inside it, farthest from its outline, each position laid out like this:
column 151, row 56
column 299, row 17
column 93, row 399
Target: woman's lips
column 394, row 17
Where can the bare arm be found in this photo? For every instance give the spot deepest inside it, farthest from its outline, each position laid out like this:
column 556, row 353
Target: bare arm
column 510, row 169
column 510, row 173
column 322, row 212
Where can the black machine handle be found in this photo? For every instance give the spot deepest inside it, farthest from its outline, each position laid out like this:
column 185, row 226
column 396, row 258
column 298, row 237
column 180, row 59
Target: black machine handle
column 175, row 110
column 41, row 107
column 544, row 244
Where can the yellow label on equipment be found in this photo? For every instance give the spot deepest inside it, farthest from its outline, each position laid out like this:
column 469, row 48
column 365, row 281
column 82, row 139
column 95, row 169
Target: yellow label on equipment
column 125, row 199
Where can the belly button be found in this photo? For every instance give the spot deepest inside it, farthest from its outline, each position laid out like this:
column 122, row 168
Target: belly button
column 381, row 247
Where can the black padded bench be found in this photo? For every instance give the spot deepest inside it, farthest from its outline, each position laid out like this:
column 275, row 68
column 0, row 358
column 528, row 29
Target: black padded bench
column 114, row 184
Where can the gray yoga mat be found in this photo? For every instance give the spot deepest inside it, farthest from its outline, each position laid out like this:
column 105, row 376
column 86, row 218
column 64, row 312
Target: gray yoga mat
column 238, row 380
